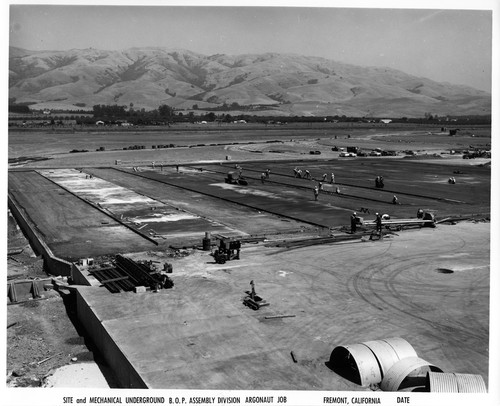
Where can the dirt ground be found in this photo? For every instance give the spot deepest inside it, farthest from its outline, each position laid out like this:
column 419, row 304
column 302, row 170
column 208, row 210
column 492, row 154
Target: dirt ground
column 42, row 337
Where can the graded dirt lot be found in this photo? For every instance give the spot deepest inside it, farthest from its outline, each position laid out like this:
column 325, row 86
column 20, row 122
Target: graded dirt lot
column 427, row 285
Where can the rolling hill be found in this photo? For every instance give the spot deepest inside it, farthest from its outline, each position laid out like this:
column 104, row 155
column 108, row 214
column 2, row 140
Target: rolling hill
column 280, row 84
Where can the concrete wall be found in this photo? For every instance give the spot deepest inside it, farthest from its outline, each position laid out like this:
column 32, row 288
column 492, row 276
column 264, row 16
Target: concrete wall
column 53, row 265
column 81, row 276
column 125, row 373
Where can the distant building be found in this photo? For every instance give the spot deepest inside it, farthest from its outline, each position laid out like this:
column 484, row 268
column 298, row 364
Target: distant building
column 385, row 120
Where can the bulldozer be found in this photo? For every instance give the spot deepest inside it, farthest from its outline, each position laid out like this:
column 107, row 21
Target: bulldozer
column 228, row 250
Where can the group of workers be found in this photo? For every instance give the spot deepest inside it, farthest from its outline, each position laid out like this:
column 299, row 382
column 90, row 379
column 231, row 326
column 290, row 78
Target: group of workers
column 298, row 173
column 355, row 220
column 265, row 175
column 378, row 222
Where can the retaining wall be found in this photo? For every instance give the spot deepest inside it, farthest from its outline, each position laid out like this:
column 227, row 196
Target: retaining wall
column 124, row 371
column 81, row 276
column 53, row 265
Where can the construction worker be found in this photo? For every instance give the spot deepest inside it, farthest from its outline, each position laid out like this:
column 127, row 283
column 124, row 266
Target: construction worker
column 379, row 182
column 316, row 192
column 307, row 175
column 354, row 220
column 320, row 185
column 268, row 172
column 262, row 177
column 378, row 223
column 153, row 164
column 332, row 180
column 395, row 199
column 337, row 190
column 325, row 176
column 420, row 214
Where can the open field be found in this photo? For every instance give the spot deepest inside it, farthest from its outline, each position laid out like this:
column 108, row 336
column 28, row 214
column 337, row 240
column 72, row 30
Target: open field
column 429, row 286
column 241, row 142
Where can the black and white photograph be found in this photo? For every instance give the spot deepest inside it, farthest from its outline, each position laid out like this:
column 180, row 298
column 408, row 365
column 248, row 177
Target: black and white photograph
column 241, row 203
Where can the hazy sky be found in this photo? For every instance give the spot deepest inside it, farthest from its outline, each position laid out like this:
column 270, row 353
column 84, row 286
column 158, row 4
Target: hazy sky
column 440, row 44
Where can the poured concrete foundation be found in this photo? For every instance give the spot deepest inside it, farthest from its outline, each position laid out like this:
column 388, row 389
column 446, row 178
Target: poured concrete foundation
column 199, row 335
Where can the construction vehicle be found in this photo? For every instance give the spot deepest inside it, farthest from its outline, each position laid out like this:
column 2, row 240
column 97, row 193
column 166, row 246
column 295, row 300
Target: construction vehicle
column 229, row 250
column 234, row 179
column 252, row 300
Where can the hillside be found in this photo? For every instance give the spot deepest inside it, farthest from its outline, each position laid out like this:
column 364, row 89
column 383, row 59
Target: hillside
column 279, row 83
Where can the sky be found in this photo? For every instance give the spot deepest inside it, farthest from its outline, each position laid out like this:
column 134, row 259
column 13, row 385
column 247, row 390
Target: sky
column 440, row 44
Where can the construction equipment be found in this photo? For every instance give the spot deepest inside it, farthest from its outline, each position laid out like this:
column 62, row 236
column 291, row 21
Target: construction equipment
column 234, row 179
column 229, row 249
column 144, row 273
column 252, row 300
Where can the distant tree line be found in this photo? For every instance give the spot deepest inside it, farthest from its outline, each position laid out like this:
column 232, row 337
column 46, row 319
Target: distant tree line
column 165, row 114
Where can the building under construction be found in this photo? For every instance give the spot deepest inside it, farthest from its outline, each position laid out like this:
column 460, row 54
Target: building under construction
column 185, row 280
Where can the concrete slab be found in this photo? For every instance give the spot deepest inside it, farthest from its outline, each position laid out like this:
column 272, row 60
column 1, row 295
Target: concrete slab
column 138, row 211
column 293, row 197
column 246, row 221
column 199, row 335
column 71, row 228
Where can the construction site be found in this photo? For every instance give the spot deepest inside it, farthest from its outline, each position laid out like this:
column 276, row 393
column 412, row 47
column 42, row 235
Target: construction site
column 208, row 268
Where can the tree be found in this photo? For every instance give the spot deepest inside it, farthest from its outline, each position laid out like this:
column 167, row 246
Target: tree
column 165, row 111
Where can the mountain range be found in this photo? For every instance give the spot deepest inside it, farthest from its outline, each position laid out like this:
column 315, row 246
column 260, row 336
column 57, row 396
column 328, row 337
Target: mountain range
column 271, row 83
